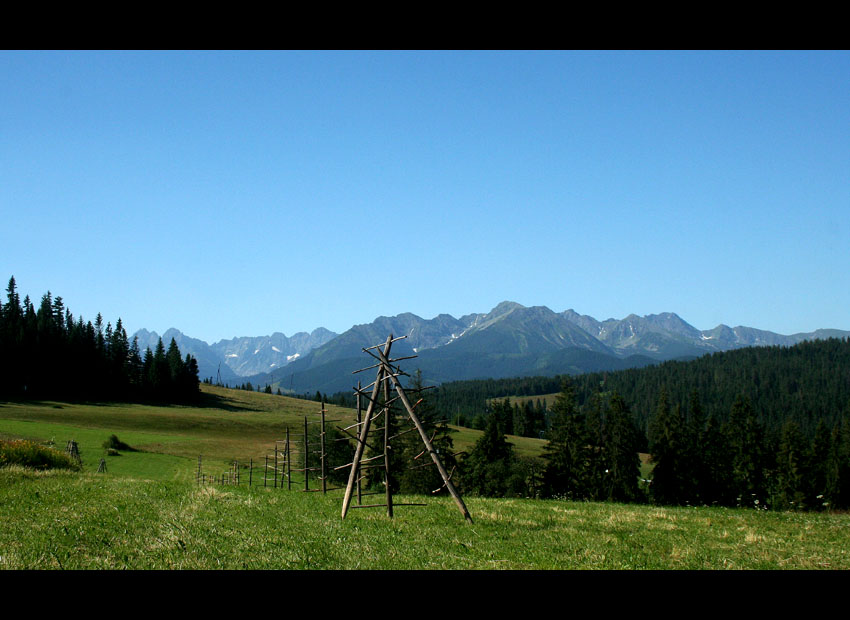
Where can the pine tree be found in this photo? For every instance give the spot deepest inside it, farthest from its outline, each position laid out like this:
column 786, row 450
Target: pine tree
column 622, row 452
column 696, row 450
column 503, row 411
column 596, row 438
column 487, row 469
column 668, row 445
column 190, row 384
column 791, row 469
column 837, row 493
column 818, row 466
column 746, row 441
column 159, row 373
column 715, row 477
column 566, row 454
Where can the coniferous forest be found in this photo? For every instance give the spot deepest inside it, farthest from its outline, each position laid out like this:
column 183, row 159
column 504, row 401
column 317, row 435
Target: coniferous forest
column 806, row 382
column 762, row 427
column 47, row 353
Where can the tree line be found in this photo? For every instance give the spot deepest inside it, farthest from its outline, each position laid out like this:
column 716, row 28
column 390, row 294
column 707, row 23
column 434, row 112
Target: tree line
column 47, row 353
column 805, row 383
column 696, row 459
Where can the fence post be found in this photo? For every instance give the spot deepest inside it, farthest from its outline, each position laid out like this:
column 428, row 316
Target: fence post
column 288, row 463
column 323, row 445
column 359, row 483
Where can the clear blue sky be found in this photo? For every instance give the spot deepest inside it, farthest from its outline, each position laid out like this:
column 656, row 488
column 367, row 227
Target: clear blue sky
column 241, row 193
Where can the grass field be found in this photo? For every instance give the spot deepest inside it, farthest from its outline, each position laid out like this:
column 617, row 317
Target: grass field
column 227, row 425
column 148, row 512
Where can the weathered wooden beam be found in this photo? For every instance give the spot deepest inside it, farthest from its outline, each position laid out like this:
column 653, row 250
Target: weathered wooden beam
column 428, row 445
column 386, row 345
column 364, row 431
column 324, row 478
column 359, row 479
column 387, row 414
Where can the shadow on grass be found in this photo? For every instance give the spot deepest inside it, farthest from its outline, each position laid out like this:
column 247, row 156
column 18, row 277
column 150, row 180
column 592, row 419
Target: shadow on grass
column 203, row 401
column 214, row 401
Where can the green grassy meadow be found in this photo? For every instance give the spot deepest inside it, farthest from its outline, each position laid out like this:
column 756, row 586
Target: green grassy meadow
column 227, row 425
column 147, row 512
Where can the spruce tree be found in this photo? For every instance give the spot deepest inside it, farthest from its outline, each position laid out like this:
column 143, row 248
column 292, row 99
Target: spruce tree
column 487, row 469
column 791, row 469
column 818, row 466
column 746, row 441
column 668, row 445
column 159, row 373
column 622, row 453
column 566, row 453
column 597, row 456
column 503, row 411
column 837, row 492
column 715, row 476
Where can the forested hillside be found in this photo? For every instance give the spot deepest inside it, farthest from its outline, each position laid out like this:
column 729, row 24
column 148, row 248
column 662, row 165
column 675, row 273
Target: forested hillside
column 48, row 354
column 805, row 383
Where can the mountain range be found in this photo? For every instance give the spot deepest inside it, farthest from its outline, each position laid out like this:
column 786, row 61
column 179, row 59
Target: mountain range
column 234, row 360
column 510, row 340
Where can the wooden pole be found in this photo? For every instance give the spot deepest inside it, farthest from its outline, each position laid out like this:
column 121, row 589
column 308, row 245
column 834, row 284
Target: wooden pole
column 266, row 472
column 387, row 414
column 428, row 445
column 306, row 458
column 364, row 431
column 283, row 464
column 323, row 445
column 359, row 485
column 288, row 463
column 251, row 472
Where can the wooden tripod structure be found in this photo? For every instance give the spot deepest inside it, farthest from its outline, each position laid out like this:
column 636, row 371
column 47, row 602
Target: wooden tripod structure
column 388, row 376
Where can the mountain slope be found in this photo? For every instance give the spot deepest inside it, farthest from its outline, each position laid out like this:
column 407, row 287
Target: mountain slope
column 510, row 340
column 248, row 356
column 237, row 358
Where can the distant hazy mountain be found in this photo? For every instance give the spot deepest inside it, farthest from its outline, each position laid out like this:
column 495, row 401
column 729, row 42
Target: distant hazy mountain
column 514, row 329
column 249, row 356
column 239, row 357
column 510, row 340
column 513, row 340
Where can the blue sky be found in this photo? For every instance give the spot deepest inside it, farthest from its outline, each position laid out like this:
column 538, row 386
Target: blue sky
column 241, row 193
